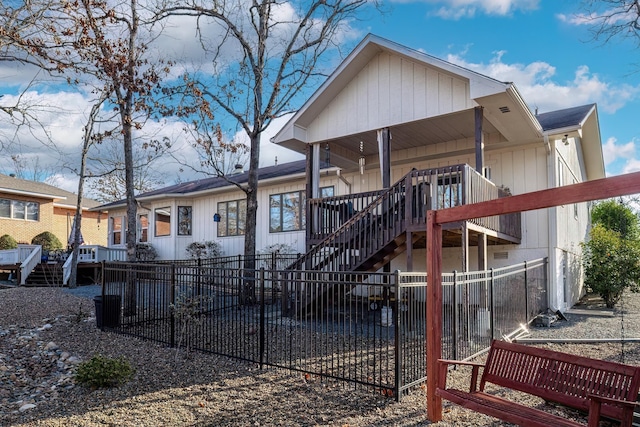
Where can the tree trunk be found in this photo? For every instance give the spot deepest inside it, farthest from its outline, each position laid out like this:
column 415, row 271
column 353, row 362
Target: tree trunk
column 130, row 287
column 248, row 295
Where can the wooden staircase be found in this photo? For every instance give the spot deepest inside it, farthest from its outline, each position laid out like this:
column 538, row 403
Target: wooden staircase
column 366, row 242
column 45, row 274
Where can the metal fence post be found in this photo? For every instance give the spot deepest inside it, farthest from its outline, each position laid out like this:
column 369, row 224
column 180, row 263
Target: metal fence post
column 455, row 315
column 398, row 332
column 526, row 294
column 172, row 295
column 492, row 315
column 262, row 329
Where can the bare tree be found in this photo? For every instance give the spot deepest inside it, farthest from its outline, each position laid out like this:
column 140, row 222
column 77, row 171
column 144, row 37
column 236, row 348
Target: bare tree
column 263, row 53
column 609, row 19
column 89, row 138
column 106, row 171
column 99, row 43
column 216, row 155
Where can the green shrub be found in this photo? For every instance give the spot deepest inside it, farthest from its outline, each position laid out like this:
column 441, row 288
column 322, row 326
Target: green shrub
column 7, row 242
column 48, row 241
column 101, row 371
column 610, row 264
column 208, row 249
column 145, row 252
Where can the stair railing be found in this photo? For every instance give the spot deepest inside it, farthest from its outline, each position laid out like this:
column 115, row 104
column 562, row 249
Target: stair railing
column 29, row 264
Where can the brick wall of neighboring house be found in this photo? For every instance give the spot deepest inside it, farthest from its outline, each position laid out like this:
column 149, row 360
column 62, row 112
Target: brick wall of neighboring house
column 22, row 230
column 94, row 226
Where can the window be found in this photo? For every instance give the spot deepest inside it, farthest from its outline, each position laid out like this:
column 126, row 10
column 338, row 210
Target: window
column 232, row 218
column 184, row 220
column 143, row 228
column 560, row 173
column 162, row 225
column 286, row 212
column 16, row 209
column 326, row 191
column 116, row 230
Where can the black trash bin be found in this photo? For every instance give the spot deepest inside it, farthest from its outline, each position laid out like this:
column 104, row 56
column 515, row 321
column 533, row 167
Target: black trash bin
column 107, row 311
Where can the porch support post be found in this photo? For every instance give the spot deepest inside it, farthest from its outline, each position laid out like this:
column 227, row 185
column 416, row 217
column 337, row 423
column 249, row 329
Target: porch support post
column 315, row 187
column 482, row 252
column 479, row 140
column 384, row 152
column 434, row 314
column 465, row 246
column 409, row 251
column 313, row 177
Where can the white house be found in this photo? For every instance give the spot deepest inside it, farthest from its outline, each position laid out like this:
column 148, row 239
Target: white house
column 390, row 133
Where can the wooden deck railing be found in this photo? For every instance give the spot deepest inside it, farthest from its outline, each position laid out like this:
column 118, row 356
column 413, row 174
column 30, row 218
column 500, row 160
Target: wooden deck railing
column 417, row 192
column 93, row 253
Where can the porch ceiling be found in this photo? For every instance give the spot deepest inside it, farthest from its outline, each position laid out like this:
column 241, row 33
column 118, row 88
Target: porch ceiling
column 345, row 151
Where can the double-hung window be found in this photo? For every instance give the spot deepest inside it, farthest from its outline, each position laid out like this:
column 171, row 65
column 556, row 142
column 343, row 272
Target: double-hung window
column 232, row 217
column 286, row 211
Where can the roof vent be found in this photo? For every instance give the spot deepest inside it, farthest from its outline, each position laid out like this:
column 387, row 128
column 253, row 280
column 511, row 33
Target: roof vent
column 501, row 255
column 504, row 109
column 238, row 170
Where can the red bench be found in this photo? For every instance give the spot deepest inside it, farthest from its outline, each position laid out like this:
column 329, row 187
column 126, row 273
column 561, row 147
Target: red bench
column 601, row 388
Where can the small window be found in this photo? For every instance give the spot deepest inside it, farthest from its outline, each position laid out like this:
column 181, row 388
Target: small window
column 286, row 212
column 575, row 206
column 116, row 230
column 184, row 220
column 32, row 211
column 17, row 209
column 163, row 221
column 5, row 208
column 232, row 218
column 326, row 191
column 143, row 228
column 560, row 173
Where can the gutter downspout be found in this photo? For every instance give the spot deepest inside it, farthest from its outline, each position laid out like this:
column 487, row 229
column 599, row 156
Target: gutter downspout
column 343, row 179
column 552, row 227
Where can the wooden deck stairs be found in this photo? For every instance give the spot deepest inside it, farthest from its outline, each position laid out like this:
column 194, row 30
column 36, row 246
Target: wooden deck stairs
column 377, row 232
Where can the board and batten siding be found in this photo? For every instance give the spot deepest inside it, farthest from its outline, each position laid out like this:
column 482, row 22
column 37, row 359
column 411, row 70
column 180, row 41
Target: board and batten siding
column 390, row 90
column 572, row 224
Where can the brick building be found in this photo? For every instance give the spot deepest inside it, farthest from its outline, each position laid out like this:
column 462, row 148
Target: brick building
column 28, row 208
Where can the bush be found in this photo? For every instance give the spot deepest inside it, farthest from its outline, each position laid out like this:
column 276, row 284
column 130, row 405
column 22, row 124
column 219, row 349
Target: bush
column 7, row 242
column 610, row 264
column 101, row 371
column 145, row 252
column 278, row 249
column 48, row 241
column 208, row 249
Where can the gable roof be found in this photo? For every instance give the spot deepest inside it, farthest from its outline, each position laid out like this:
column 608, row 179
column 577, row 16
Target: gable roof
column 334, row 115
column 565, row 118
column 581, row 121
column 209, row 185
column 40, row 190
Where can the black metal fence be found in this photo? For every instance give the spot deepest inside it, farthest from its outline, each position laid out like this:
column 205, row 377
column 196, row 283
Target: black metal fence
column 367, row 329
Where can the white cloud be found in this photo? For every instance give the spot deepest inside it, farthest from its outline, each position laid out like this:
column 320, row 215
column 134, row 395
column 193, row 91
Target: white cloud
column 536, row 82
column 612, row 151
column 458, row 9
column 269, row 151
column 632, row 165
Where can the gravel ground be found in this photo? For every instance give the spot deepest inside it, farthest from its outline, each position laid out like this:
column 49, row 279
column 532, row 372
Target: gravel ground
column 46, row 332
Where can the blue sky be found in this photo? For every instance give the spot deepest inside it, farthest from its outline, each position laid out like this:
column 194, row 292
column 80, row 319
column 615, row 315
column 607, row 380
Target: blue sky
column 543, row 48
column 540, row 45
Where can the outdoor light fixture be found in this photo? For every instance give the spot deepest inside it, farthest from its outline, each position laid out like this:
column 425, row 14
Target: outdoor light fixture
column 361, row 160
column 566, row 140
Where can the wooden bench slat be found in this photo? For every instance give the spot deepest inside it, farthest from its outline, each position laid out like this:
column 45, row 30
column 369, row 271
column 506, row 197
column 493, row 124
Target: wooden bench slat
column 506, row 410
column 567, row 379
